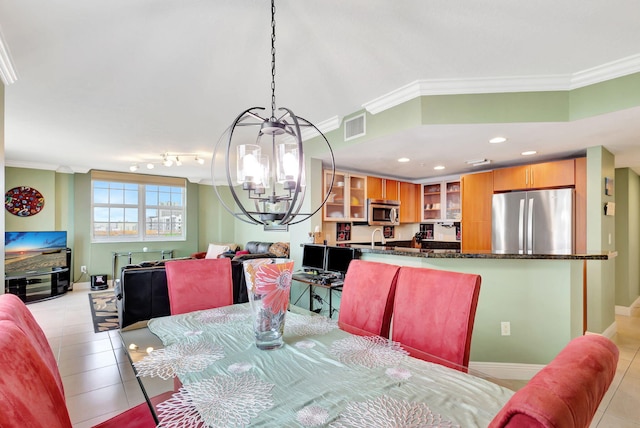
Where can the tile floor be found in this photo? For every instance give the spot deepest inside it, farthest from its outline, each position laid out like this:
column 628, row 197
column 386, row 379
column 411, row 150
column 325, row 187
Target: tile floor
column 100, row 383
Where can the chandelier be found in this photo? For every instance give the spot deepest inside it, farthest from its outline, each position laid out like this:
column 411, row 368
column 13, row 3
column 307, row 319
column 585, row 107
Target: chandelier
column 270, row 167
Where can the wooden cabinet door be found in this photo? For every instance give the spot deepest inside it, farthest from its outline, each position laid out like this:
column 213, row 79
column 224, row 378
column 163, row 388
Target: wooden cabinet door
column 391, row 190
column 409, row 203
column 383, row 188
column 512, row 178
column 477, row 195
column 374, row 187
column 581, row 206
column 552, row 174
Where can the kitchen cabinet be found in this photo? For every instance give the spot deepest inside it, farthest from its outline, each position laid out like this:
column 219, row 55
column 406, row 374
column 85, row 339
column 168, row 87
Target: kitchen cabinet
column 348, row 198
column 409, row 202
column 441, row 201
column 383, row 188
column 535, row 176
column 477, row 194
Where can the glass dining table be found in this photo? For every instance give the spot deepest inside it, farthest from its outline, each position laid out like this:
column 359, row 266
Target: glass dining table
column 322, row 376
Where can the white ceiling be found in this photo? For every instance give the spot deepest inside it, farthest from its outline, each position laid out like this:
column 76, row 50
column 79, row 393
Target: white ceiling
column 107, row 84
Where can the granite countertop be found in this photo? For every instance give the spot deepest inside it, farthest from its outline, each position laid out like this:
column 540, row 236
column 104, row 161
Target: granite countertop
column 453, row 254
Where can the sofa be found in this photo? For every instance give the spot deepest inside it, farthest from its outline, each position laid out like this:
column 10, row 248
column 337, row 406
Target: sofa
column 141, row 291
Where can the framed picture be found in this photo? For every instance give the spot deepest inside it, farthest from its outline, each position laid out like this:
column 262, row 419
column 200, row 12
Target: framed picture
column 608, row 186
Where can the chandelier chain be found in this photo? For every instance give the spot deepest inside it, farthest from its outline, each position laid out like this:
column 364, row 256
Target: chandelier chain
column 273, row 60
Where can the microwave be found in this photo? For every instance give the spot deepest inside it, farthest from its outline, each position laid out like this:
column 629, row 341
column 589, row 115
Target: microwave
column 382, row 212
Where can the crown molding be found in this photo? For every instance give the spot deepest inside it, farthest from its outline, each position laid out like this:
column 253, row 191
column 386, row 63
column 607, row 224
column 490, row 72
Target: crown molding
column 325, row 126
column 64, row 169
column 7, row 71
column 561, row 82
column 608, row 71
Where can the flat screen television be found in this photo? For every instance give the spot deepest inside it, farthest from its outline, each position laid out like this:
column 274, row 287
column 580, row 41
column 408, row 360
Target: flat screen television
column 30, row 252
column 338, row 259
column 313, row 257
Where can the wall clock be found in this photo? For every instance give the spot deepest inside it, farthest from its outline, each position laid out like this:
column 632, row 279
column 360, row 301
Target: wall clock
column 23, row 201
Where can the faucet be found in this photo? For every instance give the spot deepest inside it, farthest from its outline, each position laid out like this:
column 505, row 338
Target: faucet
column 382, row 241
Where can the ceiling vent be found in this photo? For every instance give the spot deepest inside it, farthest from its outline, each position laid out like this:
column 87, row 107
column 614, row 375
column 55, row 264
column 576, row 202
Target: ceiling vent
column 355, row 127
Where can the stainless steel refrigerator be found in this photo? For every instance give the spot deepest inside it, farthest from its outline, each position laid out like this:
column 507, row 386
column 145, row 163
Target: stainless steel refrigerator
column 533, row 222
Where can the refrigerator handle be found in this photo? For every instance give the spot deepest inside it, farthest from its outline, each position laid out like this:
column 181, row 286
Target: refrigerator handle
column 521, row 227
column 530, row 228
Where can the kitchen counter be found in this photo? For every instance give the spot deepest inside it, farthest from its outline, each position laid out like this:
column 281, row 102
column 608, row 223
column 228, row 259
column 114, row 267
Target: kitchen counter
column 544, row 298
column 454, row 254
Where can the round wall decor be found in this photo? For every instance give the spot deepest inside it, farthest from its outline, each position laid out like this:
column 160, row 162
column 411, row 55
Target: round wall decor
column 23, row 201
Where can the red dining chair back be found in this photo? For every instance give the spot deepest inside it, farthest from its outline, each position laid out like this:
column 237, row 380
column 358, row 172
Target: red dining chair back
column 197, row 284
column 567, row 392
column 13, row 309
column 433, row 314
column 367, row 298
column 29, row 393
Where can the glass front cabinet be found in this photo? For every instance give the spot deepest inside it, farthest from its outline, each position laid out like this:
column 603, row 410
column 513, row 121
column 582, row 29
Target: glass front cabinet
column 348, row 198
column 441, row 201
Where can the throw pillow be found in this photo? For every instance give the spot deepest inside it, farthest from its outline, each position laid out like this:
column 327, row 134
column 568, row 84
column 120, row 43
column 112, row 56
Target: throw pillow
column 215, row 250
column 280, row 249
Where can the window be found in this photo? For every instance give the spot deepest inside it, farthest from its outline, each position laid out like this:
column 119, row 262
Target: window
column 131, row 207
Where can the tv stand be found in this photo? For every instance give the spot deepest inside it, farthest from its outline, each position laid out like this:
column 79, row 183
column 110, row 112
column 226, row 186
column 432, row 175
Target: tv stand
column 40, row 285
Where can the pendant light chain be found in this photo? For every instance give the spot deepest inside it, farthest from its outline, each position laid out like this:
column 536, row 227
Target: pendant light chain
column 273, row 60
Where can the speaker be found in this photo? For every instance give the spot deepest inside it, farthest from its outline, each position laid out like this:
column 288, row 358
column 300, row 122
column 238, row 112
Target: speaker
column 99, row 282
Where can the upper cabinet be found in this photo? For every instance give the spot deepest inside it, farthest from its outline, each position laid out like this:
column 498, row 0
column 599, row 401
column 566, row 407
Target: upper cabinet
column 348, row 198
column 441, row 201
column 535, row 176
column 477, row 194
column 383, row 188
column 409, row 202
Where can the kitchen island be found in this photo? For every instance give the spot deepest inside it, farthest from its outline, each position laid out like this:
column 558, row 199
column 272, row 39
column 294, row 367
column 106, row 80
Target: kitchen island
column 543, row 297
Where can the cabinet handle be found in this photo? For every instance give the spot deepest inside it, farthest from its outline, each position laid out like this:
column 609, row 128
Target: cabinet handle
column 532, row 177
column 526, row 177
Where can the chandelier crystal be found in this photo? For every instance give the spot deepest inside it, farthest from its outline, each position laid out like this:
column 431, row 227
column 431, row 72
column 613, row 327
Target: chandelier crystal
column 264, row 155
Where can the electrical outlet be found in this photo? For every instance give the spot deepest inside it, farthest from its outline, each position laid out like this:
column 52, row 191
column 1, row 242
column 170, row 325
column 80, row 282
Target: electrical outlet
column 83, row 269
column 505, row 328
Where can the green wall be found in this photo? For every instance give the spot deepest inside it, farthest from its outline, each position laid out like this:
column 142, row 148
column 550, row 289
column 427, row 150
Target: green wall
column 627, row 226
column 601, row 236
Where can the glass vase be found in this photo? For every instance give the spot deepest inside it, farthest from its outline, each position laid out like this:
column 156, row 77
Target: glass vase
column 268, row 285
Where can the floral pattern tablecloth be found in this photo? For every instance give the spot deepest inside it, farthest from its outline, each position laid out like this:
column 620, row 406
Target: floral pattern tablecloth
column 323, row 376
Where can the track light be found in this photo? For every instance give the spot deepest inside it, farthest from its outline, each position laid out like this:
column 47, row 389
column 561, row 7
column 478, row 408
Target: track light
column 168, row 159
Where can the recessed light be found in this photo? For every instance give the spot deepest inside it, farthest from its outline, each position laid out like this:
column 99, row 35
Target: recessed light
column 439, row 167
column 528, row 153
column 497, row 140
column 133, row 168
column 404, row 160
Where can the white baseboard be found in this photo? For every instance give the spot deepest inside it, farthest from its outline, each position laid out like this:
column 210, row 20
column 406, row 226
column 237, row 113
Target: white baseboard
column 629, row 310
column 507, row 370
column 609, row 332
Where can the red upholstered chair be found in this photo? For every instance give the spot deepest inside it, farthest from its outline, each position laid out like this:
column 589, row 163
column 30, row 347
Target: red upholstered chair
column 30, row 395
column 367, row 298
column 199, row 284
column 433, row 314
column 13, row 309
column 567, row 392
